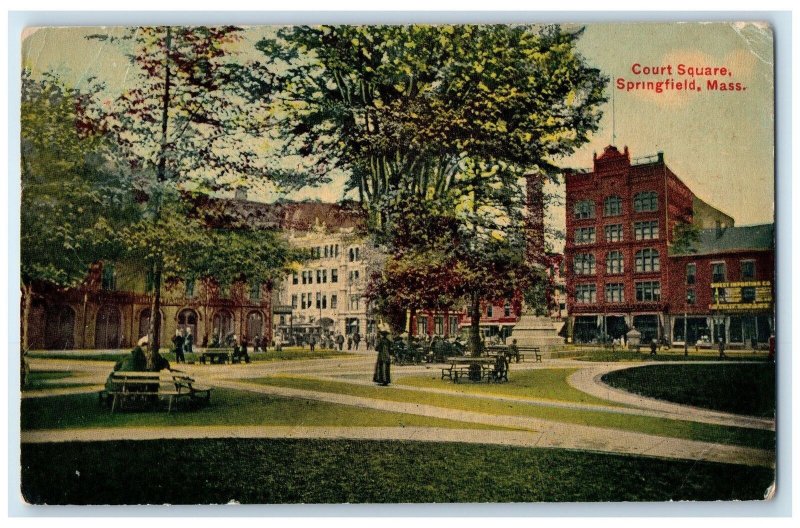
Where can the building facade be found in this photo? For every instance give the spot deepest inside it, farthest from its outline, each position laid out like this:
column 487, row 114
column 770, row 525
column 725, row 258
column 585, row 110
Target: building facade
column 623, row 217
column 326, row 293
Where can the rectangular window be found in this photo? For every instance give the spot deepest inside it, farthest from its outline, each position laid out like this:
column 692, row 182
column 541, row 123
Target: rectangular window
column 645, row 230
column 615, row 263
column 255, row 291
column 615, row 292
column 324, row 276
column 647, row 260
column 189, row 288
column 648, row 291
column 302, row 301
column 319, row 276
column 109, row 278
column 319, row 300
column 336, row 252
column 324, row 302
column 304, row 277
column 422, row 326
column 507, row 310
column 585, row 293
column 691, row 297
column 585, row 235
column 614, row 233
column 334, row 275
column 453, row 325
column 691, row 273
column 584, row 264
column 294, row 302
column 584, row 209
column 294, row 278
column 612, row 206
column 438, row 325
column 326, row 251
column 645, row 202
column 489, row 310
column 334, row 301
column 354, row 299
column 718, row 272
column 748, row 269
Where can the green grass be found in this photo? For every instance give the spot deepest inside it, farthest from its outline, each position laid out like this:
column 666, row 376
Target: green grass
column 735, row 388
column 643, row 424
column 545, row 384
column 227, row 407
column 43, row 379
column 253, row 471
column 662, row 355
column 287, row 354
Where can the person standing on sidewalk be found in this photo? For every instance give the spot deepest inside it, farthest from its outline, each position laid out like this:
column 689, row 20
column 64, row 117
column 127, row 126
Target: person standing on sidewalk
column 382, row 374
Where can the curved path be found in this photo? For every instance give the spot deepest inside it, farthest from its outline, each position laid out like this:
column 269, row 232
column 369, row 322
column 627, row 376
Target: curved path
column 527, row 431
column 589, row 380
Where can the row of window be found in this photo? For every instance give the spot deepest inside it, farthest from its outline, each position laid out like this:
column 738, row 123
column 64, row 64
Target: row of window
column 332, row 251
column 646, row 291
column 438, row 325
column 719, row 272
column 307, row 277
column 643, row 202
column 645, row 261
column 320, row 301
column 647, row 230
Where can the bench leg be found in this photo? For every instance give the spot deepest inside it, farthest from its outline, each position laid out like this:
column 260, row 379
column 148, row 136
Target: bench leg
column 113, row 404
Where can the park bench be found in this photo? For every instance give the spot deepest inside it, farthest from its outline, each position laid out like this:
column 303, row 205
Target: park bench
column 529, row 350
column 148, row 388
column 217, row 355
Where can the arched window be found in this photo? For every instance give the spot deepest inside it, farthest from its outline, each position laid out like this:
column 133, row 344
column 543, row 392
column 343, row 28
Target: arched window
column 584, row 264
column 615, row 263
column 644, row 202
column 647, row 260
column 612, row 206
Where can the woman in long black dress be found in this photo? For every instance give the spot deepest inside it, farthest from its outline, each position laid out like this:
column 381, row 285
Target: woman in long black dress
column 384, row 346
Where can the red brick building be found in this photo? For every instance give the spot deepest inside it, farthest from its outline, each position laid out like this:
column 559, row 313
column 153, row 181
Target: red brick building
column 621, row 223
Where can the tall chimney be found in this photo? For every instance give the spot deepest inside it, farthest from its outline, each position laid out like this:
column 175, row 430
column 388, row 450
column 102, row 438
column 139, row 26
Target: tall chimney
column 534, row 221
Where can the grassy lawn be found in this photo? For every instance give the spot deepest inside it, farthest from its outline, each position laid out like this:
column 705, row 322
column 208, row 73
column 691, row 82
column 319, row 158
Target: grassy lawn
column 253, row 471
column 286, row 354
column 643, row 424
column 736, row 388
column 227, row 408
column 46, row 379
column 662, row 355
column 545, row 384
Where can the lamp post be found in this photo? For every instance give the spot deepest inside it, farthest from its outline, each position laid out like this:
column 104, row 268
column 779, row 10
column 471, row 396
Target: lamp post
column 686, row 325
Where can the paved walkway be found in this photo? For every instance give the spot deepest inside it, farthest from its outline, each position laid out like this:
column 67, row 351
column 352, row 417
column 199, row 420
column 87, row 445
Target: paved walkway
column 528, row 431
column 589, row 380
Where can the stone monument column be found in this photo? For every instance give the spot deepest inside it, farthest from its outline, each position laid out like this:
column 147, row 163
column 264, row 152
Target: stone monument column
column 532, row 329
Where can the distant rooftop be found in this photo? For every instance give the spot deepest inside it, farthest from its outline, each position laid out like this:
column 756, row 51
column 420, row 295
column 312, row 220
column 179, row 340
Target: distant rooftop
column 734, row 239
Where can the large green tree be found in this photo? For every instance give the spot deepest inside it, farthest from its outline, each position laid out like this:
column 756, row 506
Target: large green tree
column 73, row 200
column 454, row 115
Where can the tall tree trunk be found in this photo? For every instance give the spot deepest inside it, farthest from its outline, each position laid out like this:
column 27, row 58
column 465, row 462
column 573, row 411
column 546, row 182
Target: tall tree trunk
column 412, row 315
column 154, row 331
column 475, row 324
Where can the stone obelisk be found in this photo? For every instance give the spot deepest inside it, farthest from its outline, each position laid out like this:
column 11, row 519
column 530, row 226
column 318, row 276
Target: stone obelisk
column 532, row 329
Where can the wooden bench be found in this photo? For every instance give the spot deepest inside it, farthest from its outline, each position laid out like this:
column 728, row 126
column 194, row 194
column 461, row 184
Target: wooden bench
column 150, row 387
column 530, row 350
column 219, row 356
column 447, row 373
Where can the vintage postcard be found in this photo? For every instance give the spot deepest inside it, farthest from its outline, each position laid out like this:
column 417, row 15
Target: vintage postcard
column 432, row 263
